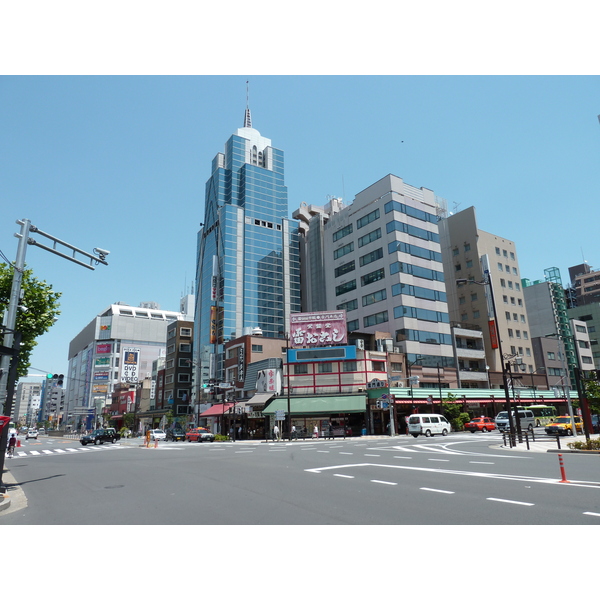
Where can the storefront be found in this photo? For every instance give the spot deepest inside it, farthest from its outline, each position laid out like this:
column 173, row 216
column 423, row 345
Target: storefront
column 346, row 414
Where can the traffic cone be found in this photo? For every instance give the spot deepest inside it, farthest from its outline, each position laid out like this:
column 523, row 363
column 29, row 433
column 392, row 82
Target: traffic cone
column 18, row 443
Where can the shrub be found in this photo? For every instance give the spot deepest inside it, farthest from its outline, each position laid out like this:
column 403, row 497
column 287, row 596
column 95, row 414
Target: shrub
column 591, row 444
column 221, row 438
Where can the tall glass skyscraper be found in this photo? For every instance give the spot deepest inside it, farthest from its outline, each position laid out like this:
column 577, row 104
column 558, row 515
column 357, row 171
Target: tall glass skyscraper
column 248, row 272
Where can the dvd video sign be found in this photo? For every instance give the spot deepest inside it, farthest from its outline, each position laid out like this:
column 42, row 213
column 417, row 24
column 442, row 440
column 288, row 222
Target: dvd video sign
column 327, row 328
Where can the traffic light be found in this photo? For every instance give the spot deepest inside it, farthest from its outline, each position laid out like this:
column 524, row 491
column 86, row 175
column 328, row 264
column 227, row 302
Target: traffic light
column 56, row 379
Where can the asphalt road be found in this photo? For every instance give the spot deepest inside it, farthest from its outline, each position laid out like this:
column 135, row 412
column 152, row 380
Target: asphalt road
column 457, row 480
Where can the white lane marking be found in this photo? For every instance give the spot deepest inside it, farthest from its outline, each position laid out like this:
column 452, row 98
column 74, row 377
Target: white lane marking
column 480, row 462
column 434, row 490
column 60, row 451
column 243, row 451
column 439, row 459
column 384, row 482
column 47, row 451
column 510, row 501
column 346, row 476
column 526, row 478
column 592, row 514
column 34, row 452
column 72, row 449
column 325, row 451
column 376, row 455
column 347, row 453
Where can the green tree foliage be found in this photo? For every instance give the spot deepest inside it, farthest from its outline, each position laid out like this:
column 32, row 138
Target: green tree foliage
column 42, row 310
column 452, row 410
column 592, row 391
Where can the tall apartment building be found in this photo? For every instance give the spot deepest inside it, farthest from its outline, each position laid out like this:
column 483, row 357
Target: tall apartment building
column 27, row 402
column 468, row 253
column 548, row 317
column 585, row 284
column 589, row 315
column 248, row 272
column 383, row 265
column 97, row 361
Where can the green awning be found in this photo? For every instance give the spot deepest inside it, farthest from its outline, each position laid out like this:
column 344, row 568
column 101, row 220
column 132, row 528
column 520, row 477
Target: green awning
column 318, row 405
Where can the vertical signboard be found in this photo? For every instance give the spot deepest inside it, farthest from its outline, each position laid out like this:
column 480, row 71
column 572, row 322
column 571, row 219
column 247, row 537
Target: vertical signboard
column 130, row 365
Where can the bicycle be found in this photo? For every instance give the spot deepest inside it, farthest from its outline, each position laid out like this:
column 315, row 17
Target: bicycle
column 10, row 451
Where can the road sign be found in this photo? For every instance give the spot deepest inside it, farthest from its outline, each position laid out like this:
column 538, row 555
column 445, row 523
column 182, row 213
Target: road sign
column 280, row 415
column 376, row 383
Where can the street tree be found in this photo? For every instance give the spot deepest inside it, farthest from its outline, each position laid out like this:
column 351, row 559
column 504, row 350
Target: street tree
column 41, row 309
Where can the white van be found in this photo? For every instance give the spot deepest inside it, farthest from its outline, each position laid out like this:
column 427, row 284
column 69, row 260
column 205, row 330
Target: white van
column 428, row 425
column 526, row 417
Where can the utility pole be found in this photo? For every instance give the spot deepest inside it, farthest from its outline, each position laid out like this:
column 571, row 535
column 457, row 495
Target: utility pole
column 12, row 338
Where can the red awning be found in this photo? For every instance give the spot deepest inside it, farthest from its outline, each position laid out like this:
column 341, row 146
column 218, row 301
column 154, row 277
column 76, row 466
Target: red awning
column 217, row 410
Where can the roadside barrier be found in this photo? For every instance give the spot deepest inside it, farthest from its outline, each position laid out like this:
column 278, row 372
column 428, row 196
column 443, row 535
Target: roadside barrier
column 562, row 469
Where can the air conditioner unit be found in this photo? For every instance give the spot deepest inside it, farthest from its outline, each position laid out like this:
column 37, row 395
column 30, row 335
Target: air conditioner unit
column 360, row 344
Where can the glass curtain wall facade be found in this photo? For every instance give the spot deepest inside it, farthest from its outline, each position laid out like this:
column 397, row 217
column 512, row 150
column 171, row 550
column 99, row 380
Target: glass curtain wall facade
column 248, row 272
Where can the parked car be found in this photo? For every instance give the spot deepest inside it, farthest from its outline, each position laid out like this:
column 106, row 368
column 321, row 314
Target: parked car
column 175, row 435
column 32, row 433
column 563, row 426
column 157, row 435
column 41, row 431
column 99, row 436
column 480, row 424
column 200, row 434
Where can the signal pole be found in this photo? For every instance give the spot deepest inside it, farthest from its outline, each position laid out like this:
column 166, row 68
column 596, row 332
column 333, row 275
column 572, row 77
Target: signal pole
column 12, row 338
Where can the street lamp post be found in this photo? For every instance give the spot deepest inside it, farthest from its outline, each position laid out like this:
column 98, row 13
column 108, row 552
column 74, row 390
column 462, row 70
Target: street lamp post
column 487, row 281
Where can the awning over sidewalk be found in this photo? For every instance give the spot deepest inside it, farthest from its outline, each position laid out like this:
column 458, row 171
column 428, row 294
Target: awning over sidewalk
column 318, row 405
column 259, row 399
column 217, row 410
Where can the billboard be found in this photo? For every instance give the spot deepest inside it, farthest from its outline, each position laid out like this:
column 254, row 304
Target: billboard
column 130, row 365
column 327, row 328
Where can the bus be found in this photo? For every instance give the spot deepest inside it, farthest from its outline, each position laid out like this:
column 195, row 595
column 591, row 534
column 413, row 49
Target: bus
column 542, row 414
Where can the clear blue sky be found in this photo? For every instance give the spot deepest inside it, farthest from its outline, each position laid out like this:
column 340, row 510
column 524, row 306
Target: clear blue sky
column 120, row 162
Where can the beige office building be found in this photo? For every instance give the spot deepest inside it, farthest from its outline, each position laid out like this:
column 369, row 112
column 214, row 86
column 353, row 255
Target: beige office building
column 467, row 253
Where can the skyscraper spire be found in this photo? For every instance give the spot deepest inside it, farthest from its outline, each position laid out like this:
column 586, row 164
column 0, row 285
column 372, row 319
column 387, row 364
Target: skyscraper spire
column 247, row 117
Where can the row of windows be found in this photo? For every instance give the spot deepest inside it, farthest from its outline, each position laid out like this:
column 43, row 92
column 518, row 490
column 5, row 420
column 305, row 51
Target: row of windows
column 515, row 317
column 422, row 272
column 505, row 253
column 506, row 268
column 364, row 280
column 427, row 337
column 373, row 298
column 418, row 292
column 421, row 313
column 423, row 234
column 363, row 260
column 410, row 211
column 389, row 207
column 348, row 366
column 413, row 250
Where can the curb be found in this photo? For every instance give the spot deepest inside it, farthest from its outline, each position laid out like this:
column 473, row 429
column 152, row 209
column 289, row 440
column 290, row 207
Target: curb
column 4, row 501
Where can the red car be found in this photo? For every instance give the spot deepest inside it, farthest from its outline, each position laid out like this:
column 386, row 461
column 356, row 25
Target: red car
column 480, row 424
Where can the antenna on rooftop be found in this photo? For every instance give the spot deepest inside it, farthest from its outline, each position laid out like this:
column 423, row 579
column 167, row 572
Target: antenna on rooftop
column 247, row 117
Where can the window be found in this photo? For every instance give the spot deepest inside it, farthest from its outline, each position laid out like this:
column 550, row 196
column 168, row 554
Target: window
column 300, row 369
column 257, row 348
column 343, row 232
column 474, row 297
column 455, row 252
column 507, row 315
column 376, row 319
column 185, row 347
column 580, row 328
column 349, row 366
column 507, row 268
column 505, row 298
column 343, row 250
column 467, row 247
column 185, row 332
column 372, row 277
column 510, row 334
column 371, row 257
column 462, row 300
column 550, row 355
column 510, row 285
column 586, row 360
column 374, row 297
column 353, row 325
column 184, row 363
column 498, row 251
column 505, row 253
column 514, row 271
column 345, row 287
column 372, row 216
column 370, row 237
column 343, row 269
column 476, row 314
column 325, row 367
column 500, row 267
column 512, row 256
column 469, row 264
column 377, row 365
column 183, row 377
column 502, row 283
column 348, row 306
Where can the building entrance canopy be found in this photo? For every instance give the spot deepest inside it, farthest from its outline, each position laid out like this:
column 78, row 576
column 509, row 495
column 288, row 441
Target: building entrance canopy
column 318, row 405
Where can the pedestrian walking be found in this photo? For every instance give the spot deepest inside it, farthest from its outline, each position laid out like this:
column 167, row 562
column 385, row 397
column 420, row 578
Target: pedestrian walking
column 316, row 432
column 294, row 434
column 276, row 433
column 330, row 431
